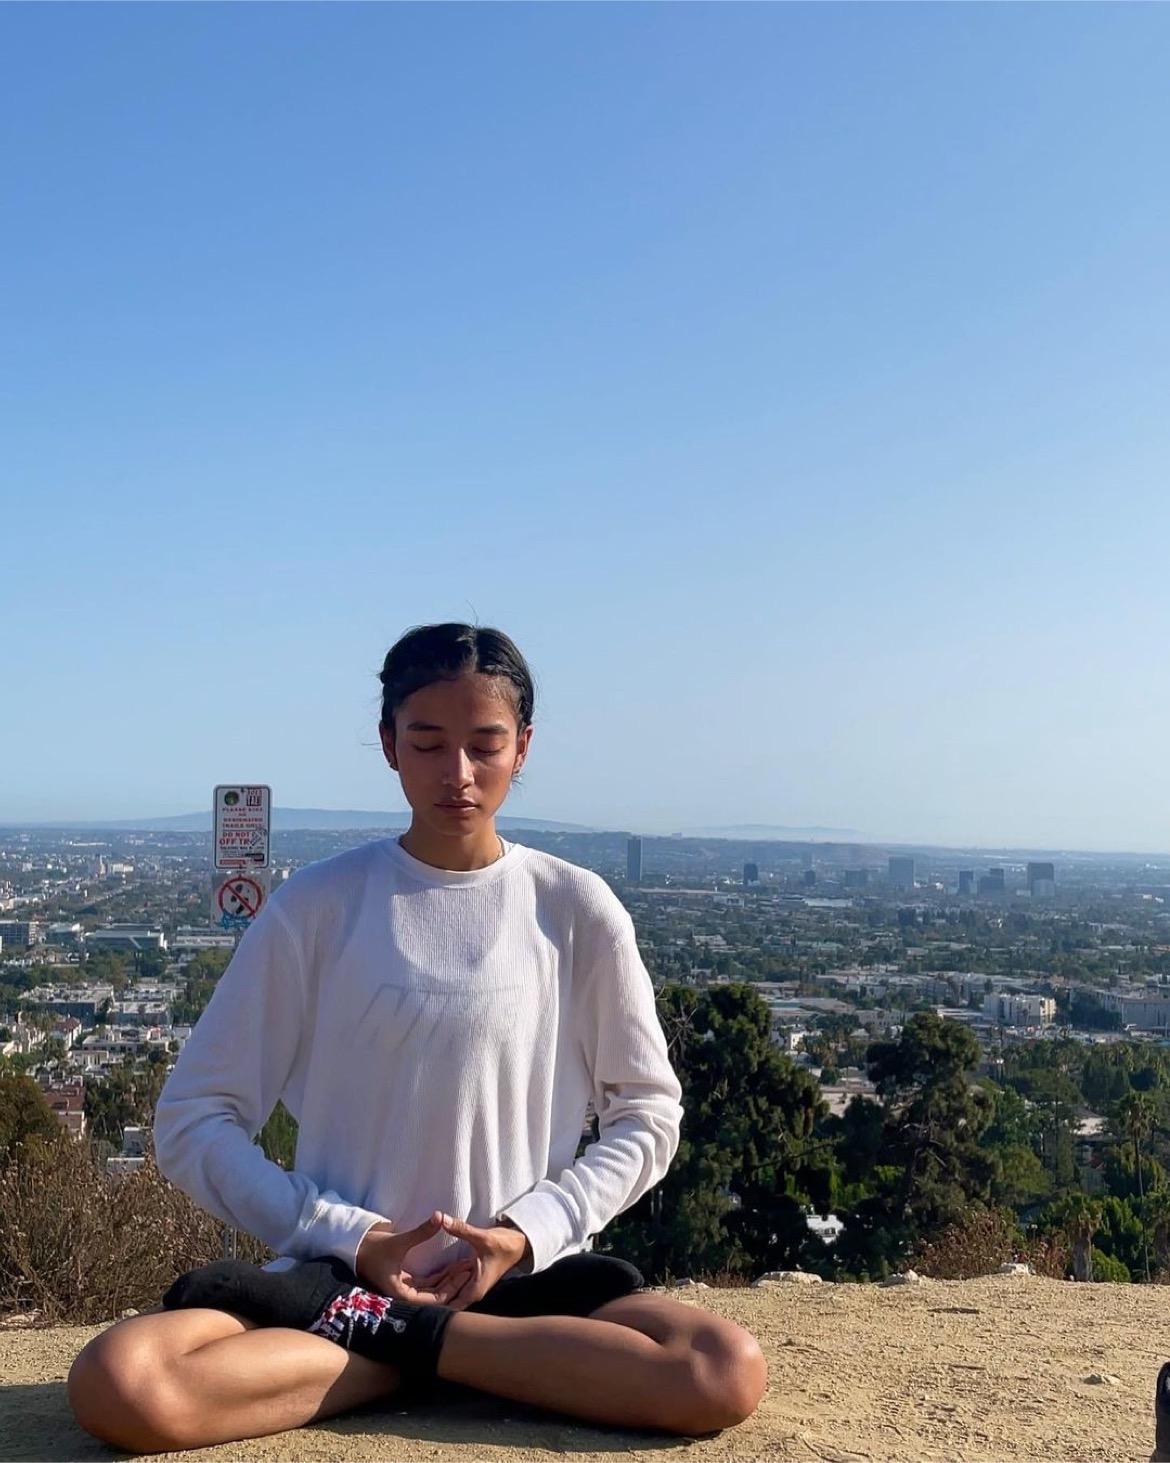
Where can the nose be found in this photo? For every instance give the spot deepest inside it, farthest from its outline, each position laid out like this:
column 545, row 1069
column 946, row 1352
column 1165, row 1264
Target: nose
column 457, row 772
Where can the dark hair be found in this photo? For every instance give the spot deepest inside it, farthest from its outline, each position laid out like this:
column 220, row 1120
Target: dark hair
column 431, row 653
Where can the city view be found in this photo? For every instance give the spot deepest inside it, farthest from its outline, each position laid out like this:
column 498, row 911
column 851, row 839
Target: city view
column 1058, row 967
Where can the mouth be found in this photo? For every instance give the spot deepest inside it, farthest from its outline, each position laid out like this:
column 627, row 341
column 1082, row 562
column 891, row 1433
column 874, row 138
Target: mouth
column 457, row 807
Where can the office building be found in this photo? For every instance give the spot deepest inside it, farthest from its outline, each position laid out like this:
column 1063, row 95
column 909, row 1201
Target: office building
column 751, row 874
column 20, row 934
column 856, row 878
column 966, row 881
column 127, row 937
column 901, row 871
column 992, row 882
column 634, row 861
column 1041, row 880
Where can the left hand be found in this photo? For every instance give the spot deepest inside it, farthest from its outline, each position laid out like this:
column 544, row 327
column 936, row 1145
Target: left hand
column 494, row 1252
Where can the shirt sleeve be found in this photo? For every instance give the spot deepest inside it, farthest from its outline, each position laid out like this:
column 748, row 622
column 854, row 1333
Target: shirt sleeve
column 635, row 1091
column 224, row 1085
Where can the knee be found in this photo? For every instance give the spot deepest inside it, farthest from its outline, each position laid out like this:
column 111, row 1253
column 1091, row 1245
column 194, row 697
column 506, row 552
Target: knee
column 728, row 1376
column 119, row 1393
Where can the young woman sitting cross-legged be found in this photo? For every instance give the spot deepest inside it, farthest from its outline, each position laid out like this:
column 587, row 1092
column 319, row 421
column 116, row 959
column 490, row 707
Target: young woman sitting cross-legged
column 436, row 1011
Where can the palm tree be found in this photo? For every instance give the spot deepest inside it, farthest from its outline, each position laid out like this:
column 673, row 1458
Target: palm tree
column 1136, row 1114
column 1080, row 1218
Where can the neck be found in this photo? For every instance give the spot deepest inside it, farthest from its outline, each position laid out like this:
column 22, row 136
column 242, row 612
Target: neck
column 459, row 854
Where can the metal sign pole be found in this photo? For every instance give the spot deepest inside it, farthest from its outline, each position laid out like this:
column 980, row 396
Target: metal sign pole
column 241, row 841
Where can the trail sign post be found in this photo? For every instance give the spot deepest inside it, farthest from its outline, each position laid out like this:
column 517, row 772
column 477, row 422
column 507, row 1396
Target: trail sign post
column 242, row 826
column 241, row 856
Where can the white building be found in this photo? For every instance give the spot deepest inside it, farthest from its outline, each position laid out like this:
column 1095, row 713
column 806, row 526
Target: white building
column 127, row 937
column 1007, row 1009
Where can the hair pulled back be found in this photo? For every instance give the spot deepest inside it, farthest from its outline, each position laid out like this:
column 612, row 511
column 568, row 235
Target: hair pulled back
column 430, row 653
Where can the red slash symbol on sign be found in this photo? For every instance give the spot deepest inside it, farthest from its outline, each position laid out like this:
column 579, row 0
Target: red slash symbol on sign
column 240, row 896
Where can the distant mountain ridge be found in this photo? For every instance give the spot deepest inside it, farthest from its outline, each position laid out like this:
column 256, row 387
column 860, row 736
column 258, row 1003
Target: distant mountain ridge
column 287, row 820
column 769, row 831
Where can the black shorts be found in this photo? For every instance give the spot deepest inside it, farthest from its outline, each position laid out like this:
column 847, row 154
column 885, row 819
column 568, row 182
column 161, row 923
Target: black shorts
column 573, row 1286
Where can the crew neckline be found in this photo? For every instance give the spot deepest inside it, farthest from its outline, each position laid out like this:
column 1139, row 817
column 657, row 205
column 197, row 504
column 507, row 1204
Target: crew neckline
column 454, row 878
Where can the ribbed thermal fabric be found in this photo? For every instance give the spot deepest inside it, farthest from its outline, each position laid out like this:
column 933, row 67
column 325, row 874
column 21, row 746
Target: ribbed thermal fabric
column 436, row 1034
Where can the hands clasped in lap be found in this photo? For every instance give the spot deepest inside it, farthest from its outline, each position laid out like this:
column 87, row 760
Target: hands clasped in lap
column 385, row 1311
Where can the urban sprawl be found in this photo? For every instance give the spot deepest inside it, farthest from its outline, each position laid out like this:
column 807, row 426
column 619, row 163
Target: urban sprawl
column 107, row 955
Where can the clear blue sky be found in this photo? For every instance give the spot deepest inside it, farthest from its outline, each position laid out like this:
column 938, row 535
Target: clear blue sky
column 791, row 383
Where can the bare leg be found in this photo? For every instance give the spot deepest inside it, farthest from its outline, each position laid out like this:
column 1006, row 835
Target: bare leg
column 640, row 1361
column 191, row 1378
column 184, row 1379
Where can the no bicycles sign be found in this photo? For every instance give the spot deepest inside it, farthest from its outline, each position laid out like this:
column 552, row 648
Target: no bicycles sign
column 236, row 899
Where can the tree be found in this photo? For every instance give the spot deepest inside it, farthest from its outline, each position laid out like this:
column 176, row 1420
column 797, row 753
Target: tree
column 748, row 1161
column 933, row 1162
column 1136, row 1115
column 24, row 1115
column 1079, row 1217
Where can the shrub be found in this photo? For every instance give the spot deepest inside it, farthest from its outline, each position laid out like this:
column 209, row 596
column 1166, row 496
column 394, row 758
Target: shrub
column 982, row 1241
column 80, row 1246
column 1108, row 1267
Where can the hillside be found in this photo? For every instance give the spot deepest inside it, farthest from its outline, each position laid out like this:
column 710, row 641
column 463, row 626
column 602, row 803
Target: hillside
column 986, row 1369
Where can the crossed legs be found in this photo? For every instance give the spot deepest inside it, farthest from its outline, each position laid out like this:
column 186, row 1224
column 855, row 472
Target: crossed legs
column 191, row 1378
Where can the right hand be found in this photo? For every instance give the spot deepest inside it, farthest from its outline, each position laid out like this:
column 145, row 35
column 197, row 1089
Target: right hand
column 381, row 1264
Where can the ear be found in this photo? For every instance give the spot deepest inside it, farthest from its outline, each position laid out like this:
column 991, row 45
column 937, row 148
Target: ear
column 522, row 742
column 387, row 735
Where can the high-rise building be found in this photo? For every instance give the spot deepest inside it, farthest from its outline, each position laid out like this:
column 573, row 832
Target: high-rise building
column 751, row 874
column 966, row 881
column 992, row 882
column 1041, row 880
column 634, row 861
column 856, row 878
column 901, row 871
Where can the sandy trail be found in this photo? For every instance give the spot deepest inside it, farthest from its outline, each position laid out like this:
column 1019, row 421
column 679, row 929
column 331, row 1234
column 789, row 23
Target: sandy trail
column 975, row 1370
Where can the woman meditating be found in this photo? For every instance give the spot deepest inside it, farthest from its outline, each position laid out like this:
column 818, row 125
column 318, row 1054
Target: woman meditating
column 436, row 1011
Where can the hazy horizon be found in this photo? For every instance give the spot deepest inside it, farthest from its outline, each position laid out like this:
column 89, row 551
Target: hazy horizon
column 789, row 381
column 843, row 837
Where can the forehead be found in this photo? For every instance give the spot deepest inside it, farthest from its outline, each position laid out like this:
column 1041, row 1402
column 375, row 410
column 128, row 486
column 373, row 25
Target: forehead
column 474, row 701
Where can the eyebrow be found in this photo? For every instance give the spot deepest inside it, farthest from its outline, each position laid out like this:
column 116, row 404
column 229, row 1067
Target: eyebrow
column 480, row 731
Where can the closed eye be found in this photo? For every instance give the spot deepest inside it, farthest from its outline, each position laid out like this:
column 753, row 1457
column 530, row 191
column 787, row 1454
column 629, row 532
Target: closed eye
column 479, row 751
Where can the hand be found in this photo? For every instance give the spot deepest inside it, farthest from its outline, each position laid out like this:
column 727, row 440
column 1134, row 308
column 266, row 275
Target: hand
column 496, row 1251
column 381, row 1265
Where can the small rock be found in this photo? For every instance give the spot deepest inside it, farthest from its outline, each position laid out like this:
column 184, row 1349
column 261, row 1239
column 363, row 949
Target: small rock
column 1013, row 1269
column 907, row 1277
column 1103, row 1379
column 788, row 1277
column 690, row 1284
column 126, row 1314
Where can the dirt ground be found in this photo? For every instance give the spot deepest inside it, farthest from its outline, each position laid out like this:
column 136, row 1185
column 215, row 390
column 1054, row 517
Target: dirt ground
column 996, row 1368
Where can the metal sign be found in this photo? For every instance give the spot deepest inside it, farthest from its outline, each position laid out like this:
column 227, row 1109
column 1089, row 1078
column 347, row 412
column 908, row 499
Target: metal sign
column 237, row 898
column 242, row 826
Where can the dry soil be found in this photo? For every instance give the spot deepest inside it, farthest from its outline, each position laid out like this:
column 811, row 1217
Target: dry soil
column 999, row 1368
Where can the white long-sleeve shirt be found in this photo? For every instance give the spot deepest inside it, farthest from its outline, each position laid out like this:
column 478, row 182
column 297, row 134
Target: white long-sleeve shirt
column 437, row 1034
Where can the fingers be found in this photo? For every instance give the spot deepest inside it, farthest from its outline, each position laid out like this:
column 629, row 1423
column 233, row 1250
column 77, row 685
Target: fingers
column 456, row 1273
column 471, row 1292
column 461, row 1229
column 448, row 1292
column 428, row 1227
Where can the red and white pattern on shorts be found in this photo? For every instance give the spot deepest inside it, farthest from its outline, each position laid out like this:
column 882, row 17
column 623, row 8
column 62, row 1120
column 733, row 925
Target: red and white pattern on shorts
column 356, row 1307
